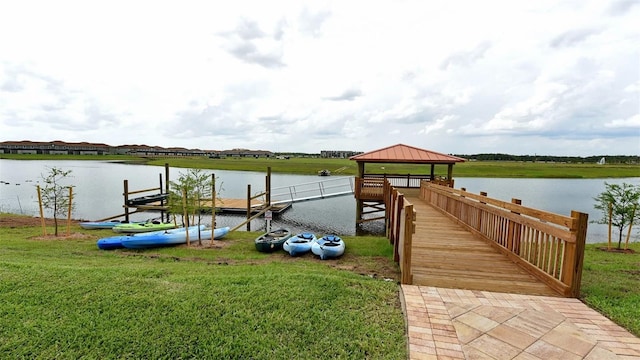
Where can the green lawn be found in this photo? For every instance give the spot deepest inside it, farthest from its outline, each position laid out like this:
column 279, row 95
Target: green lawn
column 611, row 284
column 66, row 299
column 498, row 169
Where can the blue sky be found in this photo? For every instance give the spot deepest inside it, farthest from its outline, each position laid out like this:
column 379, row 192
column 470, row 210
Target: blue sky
column 463, row 77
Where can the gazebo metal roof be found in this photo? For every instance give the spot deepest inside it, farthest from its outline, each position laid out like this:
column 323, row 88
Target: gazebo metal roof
column 401, row 153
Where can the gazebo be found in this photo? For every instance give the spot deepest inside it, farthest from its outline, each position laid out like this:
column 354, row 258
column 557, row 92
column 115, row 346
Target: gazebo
column 368, row 191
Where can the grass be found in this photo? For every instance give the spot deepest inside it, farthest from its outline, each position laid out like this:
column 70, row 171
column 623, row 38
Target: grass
column 310, row 166
column 67, row 299
column 611, row 283
column 497, row 169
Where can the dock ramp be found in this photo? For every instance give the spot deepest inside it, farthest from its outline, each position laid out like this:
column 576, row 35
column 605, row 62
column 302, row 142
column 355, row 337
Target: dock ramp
column 316, row 190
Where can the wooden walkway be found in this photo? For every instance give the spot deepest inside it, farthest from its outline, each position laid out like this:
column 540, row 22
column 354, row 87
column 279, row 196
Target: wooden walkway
column 446, row 255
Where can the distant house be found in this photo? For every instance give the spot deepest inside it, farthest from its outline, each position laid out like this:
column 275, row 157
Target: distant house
column 53, row 147
column 338, row 154
column 84, row 148
column 243, row 153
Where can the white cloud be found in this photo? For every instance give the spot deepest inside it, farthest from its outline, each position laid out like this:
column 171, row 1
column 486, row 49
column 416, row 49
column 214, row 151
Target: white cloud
column 500, row 76
column 631, row 122
column 437, row 125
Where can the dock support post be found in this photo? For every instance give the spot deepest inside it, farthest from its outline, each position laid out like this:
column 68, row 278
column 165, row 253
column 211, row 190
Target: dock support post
column 574, row 254
column 161, row 200
column 358, row 191
column 268, row 186
column 166, row 185
column 126, row 200
column 248, row 207
column 213, row 203
column 359, row 206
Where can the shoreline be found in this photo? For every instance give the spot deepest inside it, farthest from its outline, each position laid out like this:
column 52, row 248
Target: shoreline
column 342, row 167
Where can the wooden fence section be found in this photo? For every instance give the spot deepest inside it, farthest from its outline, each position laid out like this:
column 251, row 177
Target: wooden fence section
column 369, row 189
column 399, row 180
column 371, row 186
column 549, row 246
column 401, row 218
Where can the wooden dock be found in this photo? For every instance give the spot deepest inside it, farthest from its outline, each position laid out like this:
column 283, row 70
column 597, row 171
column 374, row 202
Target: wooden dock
column 239, row 206
column 224, row 206
column 447, row 255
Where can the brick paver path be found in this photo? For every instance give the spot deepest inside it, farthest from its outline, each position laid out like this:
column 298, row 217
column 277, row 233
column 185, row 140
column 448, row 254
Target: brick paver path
column 464, row 324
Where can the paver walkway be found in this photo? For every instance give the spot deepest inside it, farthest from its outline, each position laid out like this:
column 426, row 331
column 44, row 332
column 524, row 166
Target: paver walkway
column 469, row 324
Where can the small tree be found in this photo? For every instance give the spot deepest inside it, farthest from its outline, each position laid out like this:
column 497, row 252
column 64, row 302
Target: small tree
column 55, row 195
column 624, row 203
column 198, row 188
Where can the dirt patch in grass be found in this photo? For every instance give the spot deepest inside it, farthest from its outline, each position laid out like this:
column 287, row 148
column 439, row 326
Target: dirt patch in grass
column 616, row 250
column 207, row 244
column 19, row 221
column 13, row 221
column 62, row 235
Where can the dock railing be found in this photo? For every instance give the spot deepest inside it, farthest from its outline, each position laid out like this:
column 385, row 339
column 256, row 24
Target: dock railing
column 400, row 228
column 322, row 189
column 371, row 186
column 549, row 246
column 400, row 180
column 369, row 189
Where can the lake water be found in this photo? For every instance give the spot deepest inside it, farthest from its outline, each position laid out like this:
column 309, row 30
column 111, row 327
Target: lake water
column 99, row 186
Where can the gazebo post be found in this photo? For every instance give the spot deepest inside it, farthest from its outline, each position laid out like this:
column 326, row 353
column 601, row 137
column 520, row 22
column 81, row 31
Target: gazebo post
column 433, row 172
column 359, row 202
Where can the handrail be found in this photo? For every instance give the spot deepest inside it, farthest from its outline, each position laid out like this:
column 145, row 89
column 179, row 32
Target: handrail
column 399, row 180
column 145, row 190
column 401, row 217
column 549, row 246
column 312, row 190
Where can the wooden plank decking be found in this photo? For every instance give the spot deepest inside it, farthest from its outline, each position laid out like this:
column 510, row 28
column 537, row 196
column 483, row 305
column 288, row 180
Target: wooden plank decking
column 445, row 254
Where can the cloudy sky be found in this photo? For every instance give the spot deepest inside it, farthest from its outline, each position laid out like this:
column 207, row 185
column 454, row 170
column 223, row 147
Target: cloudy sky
column 462, row 77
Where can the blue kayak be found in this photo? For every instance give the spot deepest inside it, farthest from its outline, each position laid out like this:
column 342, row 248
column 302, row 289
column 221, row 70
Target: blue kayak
column 170, row 238
column 328, row 247
column 110, row 243
column 299, row 244
column 115, row 242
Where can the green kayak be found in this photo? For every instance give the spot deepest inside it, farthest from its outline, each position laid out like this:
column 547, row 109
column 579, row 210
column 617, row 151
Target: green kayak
column 143, row 227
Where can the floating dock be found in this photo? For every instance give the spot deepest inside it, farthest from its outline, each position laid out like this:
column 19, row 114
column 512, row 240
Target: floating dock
column 223, row 206
column 271, row 201
column 239, row 206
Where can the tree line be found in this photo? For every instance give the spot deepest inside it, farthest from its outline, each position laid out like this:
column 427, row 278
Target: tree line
column 609, row 159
